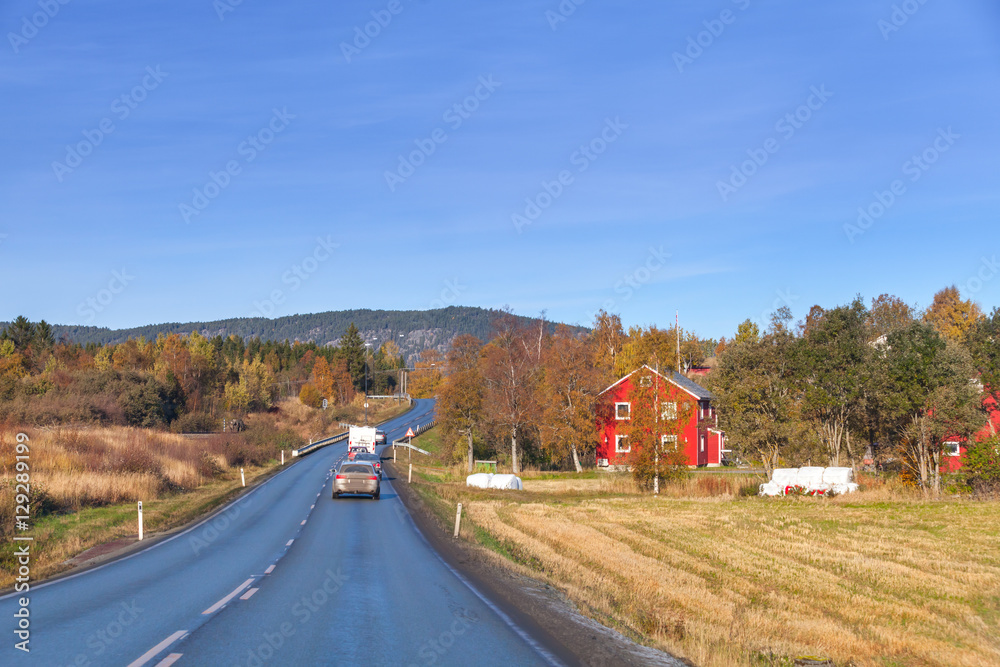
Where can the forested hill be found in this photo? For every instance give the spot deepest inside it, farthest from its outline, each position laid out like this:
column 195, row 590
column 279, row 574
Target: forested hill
column 420, row 329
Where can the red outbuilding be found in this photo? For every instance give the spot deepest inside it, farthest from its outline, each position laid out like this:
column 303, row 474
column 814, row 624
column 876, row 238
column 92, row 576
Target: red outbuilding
column 954, row 450
column 702, row 443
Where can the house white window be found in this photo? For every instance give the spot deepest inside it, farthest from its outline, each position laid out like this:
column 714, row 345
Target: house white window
column 622, row 411
column 668, row 410
column 668, row 442
column 702, row 443
column 621, row 444
column 951, row 449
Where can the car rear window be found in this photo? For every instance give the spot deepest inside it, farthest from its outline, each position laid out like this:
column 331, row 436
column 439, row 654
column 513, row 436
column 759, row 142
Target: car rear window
column 356, row 468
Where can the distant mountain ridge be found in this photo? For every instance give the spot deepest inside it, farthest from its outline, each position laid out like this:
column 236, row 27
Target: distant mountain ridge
column 413, row 330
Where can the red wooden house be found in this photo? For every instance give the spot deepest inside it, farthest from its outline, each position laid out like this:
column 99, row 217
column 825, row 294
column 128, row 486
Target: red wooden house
column 955, row 449
column 702, row 443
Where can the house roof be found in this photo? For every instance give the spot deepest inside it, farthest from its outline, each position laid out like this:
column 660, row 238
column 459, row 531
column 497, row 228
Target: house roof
column 687, row 385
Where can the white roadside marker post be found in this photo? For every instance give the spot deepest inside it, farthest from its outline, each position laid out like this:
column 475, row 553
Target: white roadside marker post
column 458, row 519
column 243, row 477
column 409, row 475
column 140, row 519
column 282, row 457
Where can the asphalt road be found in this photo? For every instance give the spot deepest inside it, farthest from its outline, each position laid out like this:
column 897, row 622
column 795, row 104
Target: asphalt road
column 284, row 576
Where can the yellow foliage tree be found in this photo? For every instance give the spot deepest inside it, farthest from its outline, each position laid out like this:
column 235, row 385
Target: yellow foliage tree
column 951, row 316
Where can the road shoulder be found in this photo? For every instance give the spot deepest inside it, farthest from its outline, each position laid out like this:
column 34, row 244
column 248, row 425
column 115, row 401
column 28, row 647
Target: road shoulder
column 542, row 611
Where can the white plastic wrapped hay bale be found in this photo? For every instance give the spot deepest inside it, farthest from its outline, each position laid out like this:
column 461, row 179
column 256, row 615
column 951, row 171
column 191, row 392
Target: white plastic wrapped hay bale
column 785, row 477
column 838, row 476
column 506, row 482
column 480, row 480
column 781, row 478
column 811, row 477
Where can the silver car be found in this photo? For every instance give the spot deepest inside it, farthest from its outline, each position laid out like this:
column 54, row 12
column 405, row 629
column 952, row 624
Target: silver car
column 356, row 477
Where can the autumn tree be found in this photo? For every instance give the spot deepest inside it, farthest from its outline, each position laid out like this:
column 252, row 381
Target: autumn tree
column 609, row 338
column 460, row 402
column 747, row 331
column 342, row 382
column 655, row 427
column 887, row 314
column 425, row 378
column 510, row 368
column 253, row 391
column 567, row 393
column 951, row 316
column 322, row 379
column 310, row 396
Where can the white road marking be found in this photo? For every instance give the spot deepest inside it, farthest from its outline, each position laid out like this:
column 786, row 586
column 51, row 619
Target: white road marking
column 303, row 522
column 151, row 653
column 218, row 605
column 290, row 542
column 249, row 594
column 312, row 507
column 169, row 660
column 269, row 570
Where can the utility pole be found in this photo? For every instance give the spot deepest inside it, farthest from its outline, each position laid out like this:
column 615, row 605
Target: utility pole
column 677, row 328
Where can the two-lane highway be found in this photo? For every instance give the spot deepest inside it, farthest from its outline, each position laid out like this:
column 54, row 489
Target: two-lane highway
column 285, row 575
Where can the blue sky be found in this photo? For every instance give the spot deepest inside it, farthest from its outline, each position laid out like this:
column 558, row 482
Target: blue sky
column 641, row 136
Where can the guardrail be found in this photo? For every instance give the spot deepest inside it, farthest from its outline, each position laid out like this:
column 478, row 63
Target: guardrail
column 417, row 431
column 313, row 446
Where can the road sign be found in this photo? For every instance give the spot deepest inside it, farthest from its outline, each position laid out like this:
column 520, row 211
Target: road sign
column 366, row 406
column 325, row 404
column 409, row 433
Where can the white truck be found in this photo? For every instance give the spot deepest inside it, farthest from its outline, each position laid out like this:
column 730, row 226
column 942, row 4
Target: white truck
column 361, row 436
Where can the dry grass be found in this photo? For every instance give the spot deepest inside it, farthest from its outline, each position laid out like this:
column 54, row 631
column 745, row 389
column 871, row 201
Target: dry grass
column 729, row 582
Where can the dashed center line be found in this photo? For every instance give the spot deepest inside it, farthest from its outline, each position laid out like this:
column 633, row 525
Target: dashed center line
column 269, row 570
column 169, row 660
column 151, row 653
column 303, row 522
column 218, row 605
column 249, row 594
column 289, row 543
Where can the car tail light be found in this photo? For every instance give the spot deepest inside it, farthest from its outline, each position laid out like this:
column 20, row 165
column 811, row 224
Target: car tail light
column 373, row 477
column 340, row 477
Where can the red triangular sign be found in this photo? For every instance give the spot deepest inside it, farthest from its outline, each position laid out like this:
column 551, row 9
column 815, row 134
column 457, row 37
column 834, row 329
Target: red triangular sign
column 409, row 433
